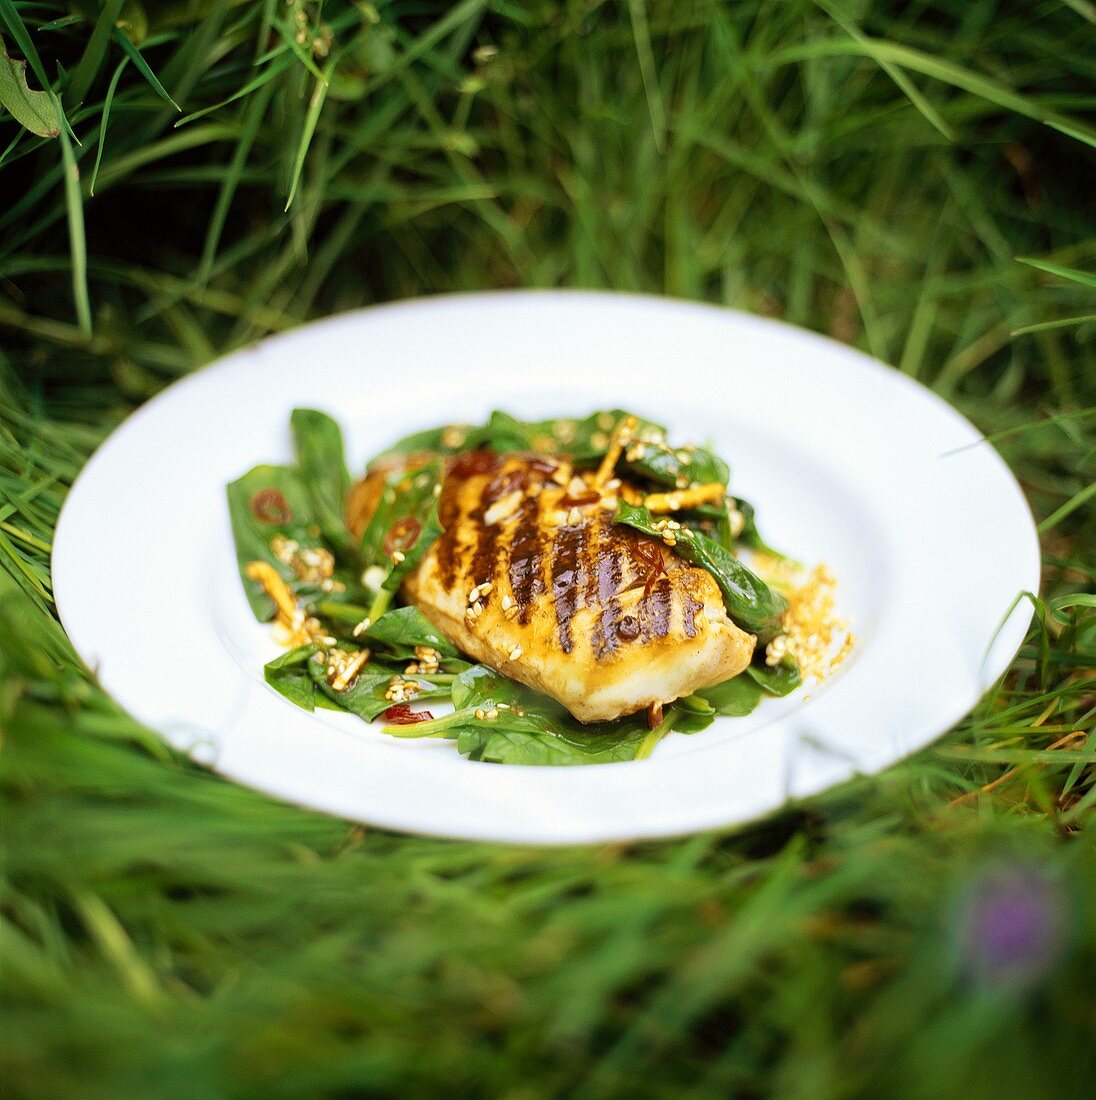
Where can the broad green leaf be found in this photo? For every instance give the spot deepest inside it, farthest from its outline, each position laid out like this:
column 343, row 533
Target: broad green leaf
column 321, row 465
column 32, row 110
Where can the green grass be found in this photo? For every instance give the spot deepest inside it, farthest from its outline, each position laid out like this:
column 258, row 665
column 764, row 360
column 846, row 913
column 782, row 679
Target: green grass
column 874, row 171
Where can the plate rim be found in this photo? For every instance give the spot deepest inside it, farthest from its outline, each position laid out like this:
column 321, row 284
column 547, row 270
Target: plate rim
column 1011, row 630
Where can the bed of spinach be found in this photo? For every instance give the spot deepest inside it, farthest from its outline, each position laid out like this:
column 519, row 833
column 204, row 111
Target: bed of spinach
column 494, row 719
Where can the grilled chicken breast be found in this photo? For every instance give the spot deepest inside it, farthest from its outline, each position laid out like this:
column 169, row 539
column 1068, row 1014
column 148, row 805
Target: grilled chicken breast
column 532, row 578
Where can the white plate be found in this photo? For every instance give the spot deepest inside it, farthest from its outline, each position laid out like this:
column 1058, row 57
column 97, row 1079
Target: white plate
column 848, row 461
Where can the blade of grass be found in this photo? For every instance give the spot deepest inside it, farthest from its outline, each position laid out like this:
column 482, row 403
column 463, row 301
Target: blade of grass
column 1071, row 274
column 253, row 117
column 1047, row 326
column 308, row 129
column 107, row 103
column 74, row 203
column 142, row 66
column 637, row 12
column 276, row 67
column 94, row 53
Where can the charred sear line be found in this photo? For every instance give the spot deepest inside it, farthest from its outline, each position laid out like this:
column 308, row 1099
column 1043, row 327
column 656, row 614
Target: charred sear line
column 605, row 585
column 654, row 609
column 448, row 546
column 568, row 579
column 486, row 551
column 526, row 559
column 689, row 609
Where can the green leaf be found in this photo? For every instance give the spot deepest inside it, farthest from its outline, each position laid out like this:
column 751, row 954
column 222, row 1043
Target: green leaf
column 136, row 57
column 33, row 111
column 74, row 207
column 253, row 526
column 94, row 52
column 534, row 729
column 289, row 676
column 409, row 499
column 312, row 117
column 780, row 679
column 321, row 465
column 736, row 697
column 750, row 602
column 10, row 16
column 403, row 628
column 1072, row 274
column 107, row 104
column 365, row 697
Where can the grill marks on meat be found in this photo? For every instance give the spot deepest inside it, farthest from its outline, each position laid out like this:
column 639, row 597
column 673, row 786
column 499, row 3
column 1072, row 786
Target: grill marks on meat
column 603, row 618
column 568, row 579
column 527, row 557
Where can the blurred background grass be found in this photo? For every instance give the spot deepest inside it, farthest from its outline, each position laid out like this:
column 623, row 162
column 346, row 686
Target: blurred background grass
column 918, row 179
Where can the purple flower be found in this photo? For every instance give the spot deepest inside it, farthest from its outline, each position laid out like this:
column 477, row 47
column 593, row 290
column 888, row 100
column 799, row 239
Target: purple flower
column 1013, row 926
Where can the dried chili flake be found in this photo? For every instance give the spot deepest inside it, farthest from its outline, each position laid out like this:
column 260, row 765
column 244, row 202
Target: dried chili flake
column 469, row 463
column 402, row 535
column 400, row 714
column 270, row 506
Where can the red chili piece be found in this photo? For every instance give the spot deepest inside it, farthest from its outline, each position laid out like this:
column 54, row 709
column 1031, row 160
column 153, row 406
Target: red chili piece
column 648, row 555
column 270, row 506
column 468, row 463
column 400, row 714
column 402, row 535
column 505, row 483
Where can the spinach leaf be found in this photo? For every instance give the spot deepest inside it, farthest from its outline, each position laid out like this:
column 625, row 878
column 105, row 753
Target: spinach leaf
column 406, row 520
column 736, row 697
column 503, row 433
column 365, row 697
column 693, row 714
column 587, row 441
column 501, row 721
column 430, row 440
column 289, row 675
column 269, row 501
column 780, row 679
column 749, row 535
column 750, row 602
column 400, row 630
column 668, row 466
column 321, row 463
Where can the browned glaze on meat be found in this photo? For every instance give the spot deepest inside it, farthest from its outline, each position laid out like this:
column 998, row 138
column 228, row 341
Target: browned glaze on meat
column 552, row 593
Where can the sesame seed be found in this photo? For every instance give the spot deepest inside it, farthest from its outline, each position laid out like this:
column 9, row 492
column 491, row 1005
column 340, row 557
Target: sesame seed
column 515, row 653
column 507, row 603
column 574, row 517
column 398, row 557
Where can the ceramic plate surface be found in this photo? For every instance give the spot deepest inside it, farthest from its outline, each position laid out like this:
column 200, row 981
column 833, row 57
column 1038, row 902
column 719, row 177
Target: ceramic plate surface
column 848, row 462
